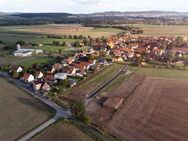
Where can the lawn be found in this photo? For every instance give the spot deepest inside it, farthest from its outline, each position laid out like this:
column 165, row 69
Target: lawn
column 167, row 30
column 65, row 49
column 101, row 76
column 40, row 60
column 19, row 112
column 92, row 82
column 166, row 73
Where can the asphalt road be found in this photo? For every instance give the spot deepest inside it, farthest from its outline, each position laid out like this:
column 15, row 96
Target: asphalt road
column 94, row 93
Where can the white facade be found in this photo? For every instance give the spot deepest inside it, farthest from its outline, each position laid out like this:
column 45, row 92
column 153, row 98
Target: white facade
column 40, row 75
column 20, row 69
column 26, row 52
column 61, row 76
column 23, row 54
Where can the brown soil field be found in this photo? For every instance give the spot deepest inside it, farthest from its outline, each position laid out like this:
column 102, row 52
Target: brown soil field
column 156, row 111
column 19, row 112
column 63, row 132
column 100, row 114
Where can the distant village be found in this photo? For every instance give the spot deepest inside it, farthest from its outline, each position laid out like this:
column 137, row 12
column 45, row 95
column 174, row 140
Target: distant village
column 121, row 48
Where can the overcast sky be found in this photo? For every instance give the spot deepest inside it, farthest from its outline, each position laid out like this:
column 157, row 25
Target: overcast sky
column 90, row 6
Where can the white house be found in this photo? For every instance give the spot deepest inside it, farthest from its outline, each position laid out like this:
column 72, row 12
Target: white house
column 18, row 69
column 38, row 74
column 60, row 76
column 28, row 77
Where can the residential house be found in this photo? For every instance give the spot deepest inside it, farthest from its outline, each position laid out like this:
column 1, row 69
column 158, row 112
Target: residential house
column 51, row 70
column 70, row 70
column 57, row 66
column 117, row 59
column 39, row 74
column 28, row 77
column 46, row 88
column 80, row 66
column 102, row 61
column 60, row 76
column 16, row 68
column 37, row 85
column 50, row 79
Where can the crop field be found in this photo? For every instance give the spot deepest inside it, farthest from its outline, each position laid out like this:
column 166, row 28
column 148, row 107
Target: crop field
column 156, row 111
column 166, row 30
column 19, row 112
column 165, row 73
column 61, row 29
column 63, row 132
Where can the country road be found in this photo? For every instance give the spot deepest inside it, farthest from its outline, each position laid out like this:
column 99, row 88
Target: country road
column 94, row 93
column 60, row 112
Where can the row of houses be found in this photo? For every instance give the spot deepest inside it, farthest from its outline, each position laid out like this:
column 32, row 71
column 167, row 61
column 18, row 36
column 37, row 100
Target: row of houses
column 73, row 66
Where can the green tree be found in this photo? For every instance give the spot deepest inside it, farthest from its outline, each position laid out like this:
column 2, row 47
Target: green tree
column 179, row 41
column 15, row 75
column 56, row 43
column 170, row 56
column 35, row 66
column 60, row 51
column 78, row 110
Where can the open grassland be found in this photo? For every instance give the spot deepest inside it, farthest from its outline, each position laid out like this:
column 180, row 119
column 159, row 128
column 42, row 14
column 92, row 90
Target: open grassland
column 166, row 30
column 86, row 86
column 40, row 60
column 166, row 73
column 64, row 49
column 63, row 131
column 156, row 111
column 61, row 29
column 19, row 112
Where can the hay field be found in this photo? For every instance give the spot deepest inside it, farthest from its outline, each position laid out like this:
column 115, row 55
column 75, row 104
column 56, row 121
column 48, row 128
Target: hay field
column 19, row 112
column 166, row 30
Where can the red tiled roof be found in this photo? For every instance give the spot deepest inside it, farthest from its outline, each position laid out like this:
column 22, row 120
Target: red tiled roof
column 26, row 76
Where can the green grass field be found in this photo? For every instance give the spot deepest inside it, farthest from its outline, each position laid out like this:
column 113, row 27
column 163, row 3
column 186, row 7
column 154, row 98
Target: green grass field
column 165, row 73
column 40, row 60
column 12, row 37
column 101, row 76
column 64, row 49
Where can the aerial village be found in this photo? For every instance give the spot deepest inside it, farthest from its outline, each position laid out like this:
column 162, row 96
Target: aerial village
column 121, row 48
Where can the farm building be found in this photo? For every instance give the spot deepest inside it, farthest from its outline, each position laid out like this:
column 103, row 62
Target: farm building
column 113, row 102
column 26, row 52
